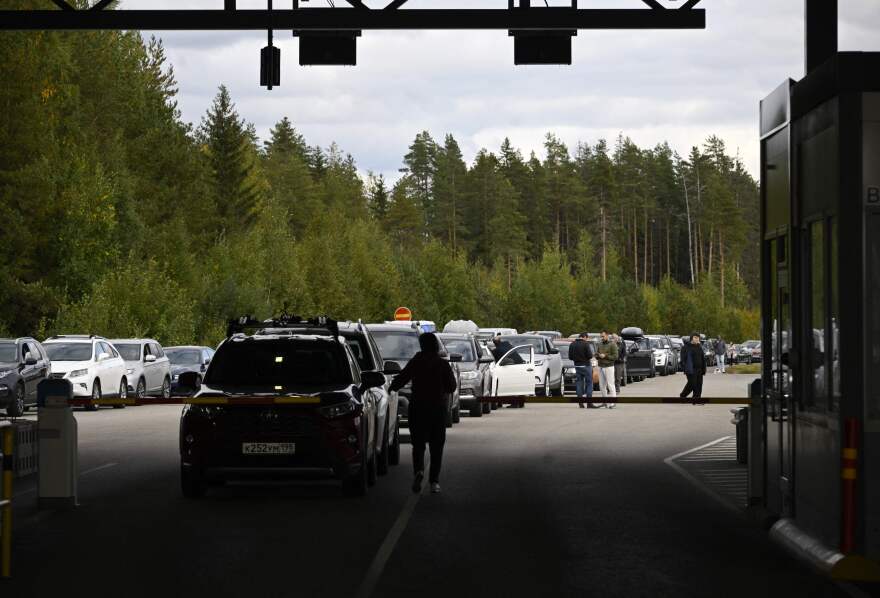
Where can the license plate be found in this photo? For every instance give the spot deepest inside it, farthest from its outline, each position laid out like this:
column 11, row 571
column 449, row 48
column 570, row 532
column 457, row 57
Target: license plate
column 268, row 448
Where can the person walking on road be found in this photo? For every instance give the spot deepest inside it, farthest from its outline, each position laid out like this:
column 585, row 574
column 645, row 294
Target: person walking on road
column 620, row 362
column 694, row 364
column 432, row 381
column 581, row 353
column 720, row 355
column 606, row 355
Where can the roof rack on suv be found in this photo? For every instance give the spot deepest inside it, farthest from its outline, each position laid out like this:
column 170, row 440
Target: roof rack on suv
column 323, row 323
column 74, row 336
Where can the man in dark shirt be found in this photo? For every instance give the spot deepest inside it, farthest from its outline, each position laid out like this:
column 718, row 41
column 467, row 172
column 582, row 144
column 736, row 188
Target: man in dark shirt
column 581, row 353
column 693, row 362
column 432, row 383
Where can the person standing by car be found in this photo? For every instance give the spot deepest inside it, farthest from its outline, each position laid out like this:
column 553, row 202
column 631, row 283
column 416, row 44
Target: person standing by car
column 694, row 364
column 606, row 354
column 501, row 349
column 581, row 353
column 720, row 355
column 620, row 362
column 432, row 380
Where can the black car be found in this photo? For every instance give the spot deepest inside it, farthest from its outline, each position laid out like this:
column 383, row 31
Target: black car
column 472, row 371
column 23, row 365
column 295, row 404
column 188, row 359
column 640, row 355
column 400, row 343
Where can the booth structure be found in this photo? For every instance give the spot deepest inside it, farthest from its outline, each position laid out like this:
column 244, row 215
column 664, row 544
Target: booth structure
column 820, row 219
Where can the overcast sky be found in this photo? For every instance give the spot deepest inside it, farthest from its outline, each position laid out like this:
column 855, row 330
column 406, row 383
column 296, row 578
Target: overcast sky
column 679, row 86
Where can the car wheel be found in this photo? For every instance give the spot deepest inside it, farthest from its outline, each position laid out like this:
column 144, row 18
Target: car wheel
column 382, row 460
column 559, row 390
column 486, row 407
column 192, row 482
column 166, row 388
column 16, row 407
column 456, row 414
column 96, row 395
column 356, row 485
column 141, row 391
column 477, row 410
column 394, row 454
column 123, row 393
column 545, row 389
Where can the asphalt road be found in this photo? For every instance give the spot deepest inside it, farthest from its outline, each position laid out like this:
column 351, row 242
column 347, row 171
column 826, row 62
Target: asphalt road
column 549, row 500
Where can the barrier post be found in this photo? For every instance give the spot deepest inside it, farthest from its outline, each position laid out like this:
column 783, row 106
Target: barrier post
column 8, row 442
column 58, row 445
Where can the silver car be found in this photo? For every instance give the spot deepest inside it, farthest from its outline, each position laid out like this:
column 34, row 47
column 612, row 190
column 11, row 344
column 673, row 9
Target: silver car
column 148, row 369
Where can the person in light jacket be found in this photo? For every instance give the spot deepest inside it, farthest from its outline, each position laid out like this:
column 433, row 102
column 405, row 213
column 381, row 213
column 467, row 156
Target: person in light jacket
column 606, row 355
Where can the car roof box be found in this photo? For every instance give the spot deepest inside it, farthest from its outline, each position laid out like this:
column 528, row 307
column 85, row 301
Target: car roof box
column 632, row 332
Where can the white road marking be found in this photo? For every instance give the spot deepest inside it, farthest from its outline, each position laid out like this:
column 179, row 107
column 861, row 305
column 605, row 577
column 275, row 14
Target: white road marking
column 374, row 573
column 670, row 461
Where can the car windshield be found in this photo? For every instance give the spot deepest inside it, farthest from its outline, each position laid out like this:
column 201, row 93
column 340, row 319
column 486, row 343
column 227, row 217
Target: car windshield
column 643, row 344
column 69, row 351
column 279, row 365
column 184, row 356
column 537, row 343
column 397, row 346
column 8, row 352
column 655, row 343
column 563, row 350
column 461, row 346
column 129, row 352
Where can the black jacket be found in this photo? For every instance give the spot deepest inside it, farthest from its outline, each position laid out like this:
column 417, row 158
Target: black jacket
column 698, row 359
column 431, row 376
column 580, row 352
column 621, row 352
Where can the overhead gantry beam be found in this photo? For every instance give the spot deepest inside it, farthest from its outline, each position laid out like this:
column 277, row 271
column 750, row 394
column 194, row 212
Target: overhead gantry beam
column 324, row 19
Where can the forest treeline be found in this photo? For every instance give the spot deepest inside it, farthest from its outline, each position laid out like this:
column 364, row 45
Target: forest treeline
column 118, row 218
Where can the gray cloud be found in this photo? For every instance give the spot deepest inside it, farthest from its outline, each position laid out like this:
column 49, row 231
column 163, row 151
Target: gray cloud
column 679, row 86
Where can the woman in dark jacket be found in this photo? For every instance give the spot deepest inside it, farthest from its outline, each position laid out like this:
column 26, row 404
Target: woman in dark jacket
column 432, row 382
column 693, row 361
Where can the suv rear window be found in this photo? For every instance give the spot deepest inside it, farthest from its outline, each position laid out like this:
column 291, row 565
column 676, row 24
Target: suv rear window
column 69, row 351
column 288, row 363
column 398, row 346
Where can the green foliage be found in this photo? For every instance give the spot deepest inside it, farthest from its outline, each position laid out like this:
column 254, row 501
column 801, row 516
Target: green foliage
column 121, row 219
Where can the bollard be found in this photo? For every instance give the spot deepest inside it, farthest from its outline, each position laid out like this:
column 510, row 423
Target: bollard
column 58, row 445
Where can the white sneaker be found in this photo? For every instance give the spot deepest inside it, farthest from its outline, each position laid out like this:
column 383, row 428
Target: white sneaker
column 612, row 405
column 435, row 488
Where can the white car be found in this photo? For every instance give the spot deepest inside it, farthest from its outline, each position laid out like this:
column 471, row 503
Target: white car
column 547, row 371
column 91, row 363
column 511, row 376
column 147, row 369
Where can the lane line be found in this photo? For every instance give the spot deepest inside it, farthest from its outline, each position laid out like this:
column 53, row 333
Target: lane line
column 670, row 461
column 86, row 472
column 383, row 555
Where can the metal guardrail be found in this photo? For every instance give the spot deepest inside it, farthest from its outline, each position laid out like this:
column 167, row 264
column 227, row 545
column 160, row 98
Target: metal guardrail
column 7, row 432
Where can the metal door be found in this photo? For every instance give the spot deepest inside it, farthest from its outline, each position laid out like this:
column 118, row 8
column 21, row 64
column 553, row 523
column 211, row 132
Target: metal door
column 778, row 374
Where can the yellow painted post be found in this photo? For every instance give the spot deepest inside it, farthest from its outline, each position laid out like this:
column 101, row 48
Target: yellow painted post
column 6, row 500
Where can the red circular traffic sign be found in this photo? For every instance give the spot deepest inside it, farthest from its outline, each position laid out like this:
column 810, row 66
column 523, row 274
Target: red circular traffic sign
column 403, row 314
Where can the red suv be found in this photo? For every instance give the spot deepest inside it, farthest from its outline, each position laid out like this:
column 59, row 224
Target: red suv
column 280, row 405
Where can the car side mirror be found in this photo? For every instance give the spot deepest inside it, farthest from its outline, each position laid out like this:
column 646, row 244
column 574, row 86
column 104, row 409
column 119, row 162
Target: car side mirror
column 391, row 368
column 189, row 383
column 103, row 356
column 29, row 359
column 455, row 357
column 150, row 359
column 372, row 379
column 553, row 351
column 487, row 359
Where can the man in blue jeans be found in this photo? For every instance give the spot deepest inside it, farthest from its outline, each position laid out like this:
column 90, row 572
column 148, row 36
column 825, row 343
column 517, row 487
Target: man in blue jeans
column 581, row 353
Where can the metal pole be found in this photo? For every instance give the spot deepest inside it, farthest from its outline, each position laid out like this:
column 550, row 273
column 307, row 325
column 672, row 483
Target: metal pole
column 820, row 32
